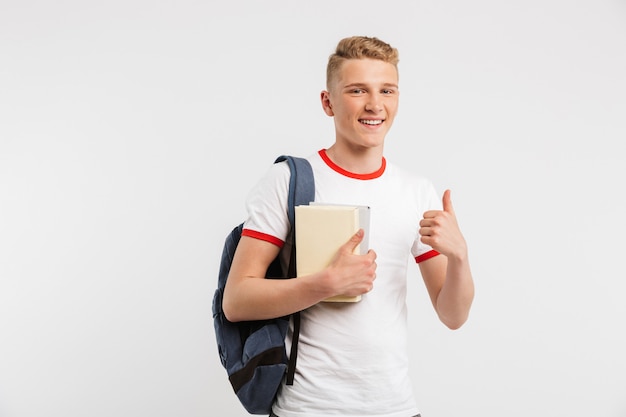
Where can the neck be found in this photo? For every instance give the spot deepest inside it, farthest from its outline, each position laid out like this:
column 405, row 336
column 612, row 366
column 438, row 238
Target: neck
column 359, row 160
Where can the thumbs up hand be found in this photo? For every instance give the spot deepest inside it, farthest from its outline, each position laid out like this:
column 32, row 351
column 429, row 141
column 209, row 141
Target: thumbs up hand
column 439, row 229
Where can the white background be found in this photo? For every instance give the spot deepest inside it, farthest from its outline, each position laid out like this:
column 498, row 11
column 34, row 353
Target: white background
column 131, row 132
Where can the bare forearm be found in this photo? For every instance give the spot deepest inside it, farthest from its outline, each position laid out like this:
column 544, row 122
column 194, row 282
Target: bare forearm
column 249, row 297
column 457, row 293
column 259, row 298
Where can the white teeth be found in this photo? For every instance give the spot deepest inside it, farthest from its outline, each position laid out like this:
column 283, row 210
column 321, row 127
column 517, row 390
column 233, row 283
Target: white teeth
column 371, row 122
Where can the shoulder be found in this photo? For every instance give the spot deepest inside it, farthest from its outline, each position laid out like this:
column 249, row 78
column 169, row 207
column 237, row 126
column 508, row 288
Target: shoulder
column 276, row 175
column 414, row 186
column 316, row 160
column 401, row 174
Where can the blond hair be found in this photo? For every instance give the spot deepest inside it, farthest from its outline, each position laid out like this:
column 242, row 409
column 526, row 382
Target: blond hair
column 359, row 47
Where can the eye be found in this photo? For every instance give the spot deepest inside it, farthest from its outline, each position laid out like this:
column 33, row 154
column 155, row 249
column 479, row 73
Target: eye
column 357, row 91
column 388, row 91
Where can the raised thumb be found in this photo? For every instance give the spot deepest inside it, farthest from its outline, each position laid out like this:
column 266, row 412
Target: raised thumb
column 447, row 202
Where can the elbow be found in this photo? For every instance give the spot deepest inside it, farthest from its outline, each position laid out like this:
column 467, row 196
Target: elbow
column 454, row 322
column 229, row 315
column 232, row 316
column 454, row 325
column 454, row 315
column 230, row 309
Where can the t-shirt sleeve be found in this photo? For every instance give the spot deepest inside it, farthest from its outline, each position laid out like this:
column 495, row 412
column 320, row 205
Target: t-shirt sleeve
column 429, row 200
column 266, row 206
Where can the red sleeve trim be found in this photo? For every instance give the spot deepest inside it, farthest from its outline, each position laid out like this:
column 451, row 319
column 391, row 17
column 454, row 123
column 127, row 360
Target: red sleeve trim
column 263, row 236
column 425, row 256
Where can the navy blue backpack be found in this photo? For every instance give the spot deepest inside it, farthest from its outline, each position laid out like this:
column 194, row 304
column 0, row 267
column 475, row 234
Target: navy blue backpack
column 253, row 352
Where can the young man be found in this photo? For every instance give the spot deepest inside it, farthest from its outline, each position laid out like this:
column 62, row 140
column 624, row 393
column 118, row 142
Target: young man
column 352, row 357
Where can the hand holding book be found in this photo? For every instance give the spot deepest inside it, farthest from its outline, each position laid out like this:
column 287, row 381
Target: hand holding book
column 322, row 231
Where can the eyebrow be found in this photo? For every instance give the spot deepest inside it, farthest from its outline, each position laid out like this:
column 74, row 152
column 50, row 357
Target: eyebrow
column 387, row 85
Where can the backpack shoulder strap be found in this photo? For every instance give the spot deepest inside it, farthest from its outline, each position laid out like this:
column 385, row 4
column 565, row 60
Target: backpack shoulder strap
column 301, row 192
column 301, row 184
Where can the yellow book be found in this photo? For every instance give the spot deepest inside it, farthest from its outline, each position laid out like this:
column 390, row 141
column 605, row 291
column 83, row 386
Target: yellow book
column 321, row 229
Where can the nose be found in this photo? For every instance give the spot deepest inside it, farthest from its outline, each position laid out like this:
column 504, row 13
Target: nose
column 374, row 104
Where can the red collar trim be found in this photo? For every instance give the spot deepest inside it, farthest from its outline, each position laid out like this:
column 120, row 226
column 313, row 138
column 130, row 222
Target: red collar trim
column 337, row 168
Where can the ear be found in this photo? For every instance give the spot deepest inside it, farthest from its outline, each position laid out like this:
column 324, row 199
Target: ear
column 326, row 104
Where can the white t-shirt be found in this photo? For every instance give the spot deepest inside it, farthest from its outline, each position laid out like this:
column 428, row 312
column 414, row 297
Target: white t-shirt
column 352, row 357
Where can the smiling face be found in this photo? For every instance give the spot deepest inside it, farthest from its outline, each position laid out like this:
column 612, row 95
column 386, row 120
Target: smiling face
column 363, row 99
